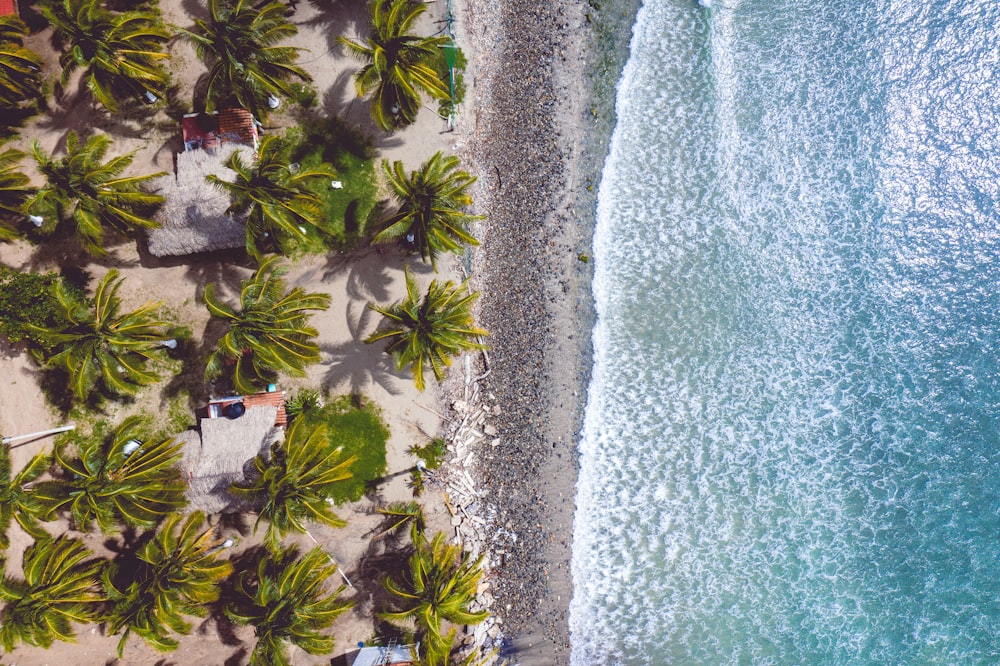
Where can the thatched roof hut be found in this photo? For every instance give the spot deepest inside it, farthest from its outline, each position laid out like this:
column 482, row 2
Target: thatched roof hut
column 223, row 453
column 194, row 218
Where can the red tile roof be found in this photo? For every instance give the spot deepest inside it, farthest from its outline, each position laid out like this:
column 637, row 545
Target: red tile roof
column 272, row 399
column 8, row 8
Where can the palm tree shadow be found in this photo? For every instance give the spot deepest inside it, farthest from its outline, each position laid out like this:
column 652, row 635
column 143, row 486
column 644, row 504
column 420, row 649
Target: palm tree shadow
column 347, row 15
column 355, row 111
column 367, row 280
column 352, row 361
column 379, row 561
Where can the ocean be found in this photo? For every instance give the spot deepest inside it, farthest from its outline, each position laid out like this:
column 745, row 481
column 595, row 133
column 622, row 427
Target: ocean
column 790, row 452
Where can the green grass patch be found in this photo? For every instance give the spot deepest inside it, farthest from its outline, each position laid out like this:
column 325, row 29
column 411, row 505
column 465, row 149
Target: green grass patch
column 357, row 426
column 345, row 211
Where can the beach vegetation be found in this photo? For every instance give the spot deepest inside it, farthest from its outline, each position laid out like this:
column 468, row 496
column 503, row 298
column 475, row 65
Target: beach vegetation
column 350, row 199
column 398, row 65
column 20, row 67
column 174, row 574
column 240, row 42
column 110, row 477
column 83, row 190
column 28, row 299
column 99, row 347
column 17, row 499
column 295, row 483
column 121, row 53
column 268, row 334
column 435, row 590
column 402, row 515
column 432, row 453
column 288, row 600
column 277, row 197
column 430, row 216
column 60, row 587
column 426, row 331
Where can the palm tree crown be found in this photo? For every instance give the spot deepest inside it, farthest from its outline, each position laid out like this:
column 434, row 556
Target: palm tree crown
column 240, row 44
column 98, row 346
column 275, row 198
column 428, row 331
column 398, row 64
column 17, row 500
column 15, row 188
column 118, row 478
column 295, row 483
column 121, row 53
column 431, row 200
column 92, row 193
column 177, row 573
column 20, row 68
column 438, row 586
column 60, row 587
column 288, row 601
column 270, row 333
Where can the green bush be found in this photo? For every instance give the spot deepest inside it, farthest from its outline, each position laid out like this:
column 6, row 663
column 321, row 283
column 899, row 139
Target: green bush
column 26, row 298
column 357, row 426
column 432, row 453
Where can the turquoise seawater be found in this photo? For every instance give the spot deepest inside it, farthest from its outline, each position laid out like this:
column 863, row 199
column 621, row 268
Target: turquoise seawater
column 791, row 451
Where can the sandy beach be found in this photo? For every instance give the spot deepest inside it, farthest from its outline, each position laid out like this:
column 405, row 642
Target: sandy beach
column 527, row 130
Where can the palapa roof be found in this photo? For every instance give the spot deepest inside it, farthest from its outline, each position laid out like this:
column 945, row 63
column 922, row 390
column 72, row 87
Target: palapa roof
column 193, row 218
column 223, row 453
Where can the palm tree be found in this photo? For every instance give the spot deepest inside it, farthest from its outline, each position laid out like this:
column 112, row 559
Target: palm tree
column 398, row 64
column 428, row 331
column 239, row 43
column 288, row 601
column 121, row 53
column 114, row 479
column 20, row 68
column 15, row 188
column 98, row 346
column 17, row 501
column 91, row 193
column 276, row 199
column 270, row 333
column 295, row 483
column 431, row 200
column 438, row 586
column 177, row 573
column 60, row 586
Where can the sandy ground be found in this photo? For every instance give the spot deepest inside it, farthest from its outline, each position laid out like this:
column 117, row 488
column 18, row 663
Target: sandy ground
column 348, row 364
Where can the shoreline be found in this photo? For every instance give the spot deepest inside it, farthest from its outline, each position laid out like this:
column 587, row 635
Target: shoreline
column 526, row 143
column 540, row 119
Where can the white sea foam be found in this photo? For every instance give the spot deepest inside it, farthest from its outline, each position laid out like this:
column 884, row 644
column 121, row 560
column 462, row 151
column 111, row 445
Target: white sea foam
column 789, row 450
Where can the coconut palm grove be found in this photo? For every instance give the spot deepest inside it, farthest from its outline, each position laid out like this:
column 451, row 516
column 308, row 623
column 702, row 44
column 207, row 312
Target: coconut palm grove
column 123, row 120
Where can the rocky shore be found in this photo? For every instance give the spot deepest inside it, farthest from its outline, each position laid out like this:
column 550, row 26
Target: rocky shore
column 515, row 423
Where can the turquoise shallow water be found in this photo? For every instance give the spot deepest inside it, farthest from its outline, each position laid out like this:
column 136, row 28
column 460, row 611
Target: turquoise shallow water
column 791, row 450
